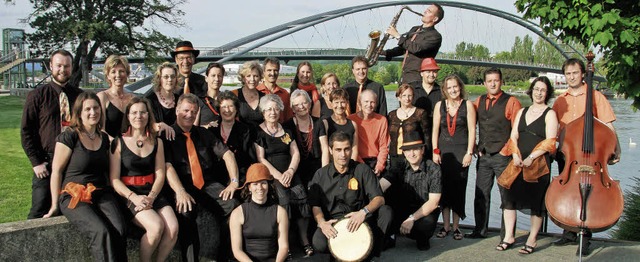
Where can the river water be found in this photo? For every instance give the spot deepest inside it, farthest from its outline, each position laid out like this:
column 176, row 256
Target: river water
column 627, row 126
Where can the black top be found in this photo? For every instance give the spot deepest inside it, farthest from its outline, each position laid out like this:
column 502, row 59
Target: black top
column 352, row 89
column 302, row 138
column 85, row 166
column 260, row 231
column 418, row 121
column 276, row 148
column 246, row 114
column 494, row 128
column 426, row 43
column 427, row 101
column 348, row 128
column 41, row 120
column 413, row 187
column 134, row 165
column 197, row 85
column 461, row 134
column 113, row 120
column 161, row 113
column 209, row 110
column 240, row 142
column 325, row 111
column 209, row 150
column 332, row 191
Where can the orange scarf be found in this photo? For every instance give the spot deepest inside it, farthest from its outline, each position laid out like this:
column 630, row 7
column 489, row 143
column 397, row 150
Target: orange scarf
column 530, row 174
column 79, row 193
column 311, row 89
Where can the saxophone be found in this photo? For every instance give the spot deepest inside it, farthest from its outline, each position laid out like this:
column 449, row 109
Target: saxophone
column 376, row 46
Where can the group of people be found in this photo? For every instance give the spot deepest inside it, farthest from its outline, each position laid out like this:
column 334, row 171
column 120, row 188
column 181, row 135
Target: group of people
column 263, row 160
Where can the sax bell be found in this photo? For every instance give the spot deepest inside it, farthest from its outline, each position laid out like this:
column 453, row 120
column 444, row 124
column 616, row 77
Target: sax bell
column 375, row 34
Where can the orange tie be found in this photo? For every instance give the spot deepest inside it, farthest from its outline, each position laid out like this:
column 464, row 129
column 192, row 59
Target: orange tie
column 196, row 170
column 65, row 113
column 358, row 98
column 186, row 85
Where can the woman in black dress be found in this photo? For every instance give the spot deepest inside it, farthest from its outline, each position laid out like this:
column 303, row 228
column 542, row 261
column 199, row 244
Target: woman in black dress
column 277, row 149
column 80, row 167
column 163, row 99
column 137, row 174
column 522, row 186
column 328, row 83
column 407, row 118
column 250, row 75
column 454, row 125
column 259, row 227
column 210, row 108
column 114, row 99
column 234, row 134
column 339, row 122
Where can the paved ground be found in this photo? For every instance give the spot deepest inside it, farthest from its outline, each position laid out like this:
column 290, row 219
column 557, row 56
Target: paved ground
column 448, row 249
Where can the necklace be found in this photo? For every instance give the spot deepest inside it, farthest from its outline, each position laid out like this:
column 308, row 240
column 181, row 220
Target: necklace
column 269, row 130
column 306, row 141
column 167, row 102
column 91, row 136
column 451, row 127
column 139, row 143
column 117, row 95
column 406, row 112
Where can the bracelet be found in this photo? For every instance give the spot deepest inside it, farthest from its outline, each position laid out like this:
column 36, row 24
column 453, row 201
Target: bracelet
column 291, row 168
column 235, row 180
column 411, row 217
column 129, row 196
column 530, row 157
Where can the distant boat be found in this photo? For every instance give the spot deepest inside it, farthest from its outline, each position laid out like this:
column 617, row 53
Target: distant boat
column 631, row 143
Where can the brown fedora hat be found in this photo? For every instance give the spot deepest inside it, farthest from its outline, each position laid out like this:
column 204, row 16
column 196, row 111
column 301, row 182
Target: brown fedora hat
column 185, row 46
column 412, row 140
column 429, row 64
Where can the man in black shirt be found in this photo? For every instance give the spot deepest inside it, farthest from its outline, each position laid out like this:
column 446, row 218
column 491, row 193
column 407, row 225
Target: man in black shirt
column 415, row 194
column 426, row 94
column 347, row 189
column 191, row 175
column 185, row 57
column 42, row 122
column 360, row 68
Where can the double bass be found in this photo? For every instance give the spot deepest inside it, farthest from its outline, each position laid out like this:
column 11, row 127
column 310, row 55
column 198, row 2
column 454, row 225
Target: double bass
column 583, row 197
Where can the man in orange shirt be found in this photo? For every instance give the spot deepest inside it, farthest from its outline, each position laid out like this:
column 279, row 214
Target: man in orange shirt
column 496, row 112
column 373, row 138
column 271, row 68
column 569, row 107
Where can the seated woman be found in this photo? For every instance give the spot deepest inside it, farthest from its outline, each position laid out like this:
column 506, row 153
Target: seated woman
column 163, row 99
column 80, row 166
column 114, row 99
column 259, row 227
column 524, row 182
column 137, row 173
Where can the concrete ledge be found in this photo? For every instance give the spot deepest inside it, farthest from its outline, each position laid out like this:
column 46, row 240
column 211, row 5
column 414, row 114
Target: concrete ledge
column 55, row 239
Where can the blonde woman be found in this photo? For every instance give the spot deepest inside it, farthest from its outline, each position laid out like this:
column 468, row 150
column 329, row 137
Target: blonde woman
column 114, row 99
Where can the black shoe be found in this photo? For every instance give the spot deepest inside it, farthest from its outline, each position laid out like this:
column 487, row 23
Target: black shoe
column 423, row 246
column 389, row 243
column 474, row 234
column 564, row 241
column 585, row 249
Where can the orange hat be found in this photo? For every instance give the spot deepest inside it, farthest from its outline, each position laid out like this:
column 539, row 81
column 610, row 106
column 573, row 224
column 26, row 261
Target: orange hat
column 429, row 64
column 257, row 172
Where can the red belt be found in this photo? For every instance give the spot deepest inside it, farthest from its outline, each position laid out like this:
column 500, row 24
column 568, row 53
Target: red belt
column 138, row 180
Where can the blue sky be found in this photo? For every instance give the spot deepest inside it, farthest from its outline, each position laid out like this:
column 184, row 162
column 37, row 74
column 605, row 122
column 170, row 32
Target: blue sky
column 214, row 23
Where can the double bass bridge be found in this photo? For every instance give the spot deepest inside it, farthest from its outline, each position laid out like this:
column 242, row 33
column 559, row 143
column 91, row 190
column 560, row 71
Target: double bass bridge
column 586, row 170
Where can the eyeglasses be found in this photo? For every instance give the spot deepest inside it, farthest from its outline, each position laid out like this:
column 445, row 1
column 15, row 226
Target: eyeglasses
column 167, row 77
column 305, row 103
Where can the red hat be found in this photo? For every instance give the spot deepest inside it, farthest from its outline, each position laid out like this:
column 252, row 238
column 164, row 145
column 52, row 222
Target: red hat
column 429, row 64
column 257, row 172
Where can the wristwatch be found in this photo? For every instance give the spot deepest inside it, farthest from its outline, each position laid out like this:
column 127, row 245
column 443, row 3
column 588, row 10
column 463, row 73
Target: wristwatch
column 366, row 211
column 412, row 218
column 235, row 180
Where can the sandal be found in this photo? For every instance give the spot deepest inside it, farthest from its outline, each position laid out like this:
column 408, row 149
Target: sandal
column 308, row 250
column 527, row 249
column 442, row 233
column 457, row 235
column 504, row 246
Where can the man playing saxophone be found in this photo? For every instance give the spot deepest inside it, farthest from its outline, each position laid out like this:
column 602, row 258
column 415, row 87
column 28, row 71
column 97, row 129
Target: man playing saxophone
column 420, row 42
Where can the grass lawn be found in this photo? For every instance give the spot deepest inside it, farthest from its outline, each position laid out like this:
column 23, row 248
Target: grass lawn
column 15, row 169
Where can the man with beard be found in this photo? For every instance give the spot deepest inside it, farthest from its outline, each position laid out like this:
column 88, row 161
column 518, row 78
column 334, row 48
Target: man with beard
column 360, row 68
column 428, row 95
column 271, row 67
column 188, row 82
column 47, row 111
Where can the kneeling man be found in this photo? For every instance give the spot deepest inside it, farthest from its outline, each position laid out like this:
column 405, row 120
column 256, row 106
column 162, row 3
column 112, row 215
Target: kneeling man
column 346, row 188
column 414, row 194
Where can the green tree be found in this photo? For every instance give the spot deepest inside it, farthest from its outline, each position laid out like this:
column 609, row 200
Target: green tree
column 628, row 228
column 609, row 26
column 105, row 26
column 544, row 53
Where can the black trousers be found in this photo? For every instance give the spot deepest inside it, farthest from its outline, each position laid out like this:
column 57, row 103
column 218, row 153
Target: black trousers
column 207, row 198
column 40, row 195
column 488, row 168
column 102, row 222
column 378, row 221
column 423, row 228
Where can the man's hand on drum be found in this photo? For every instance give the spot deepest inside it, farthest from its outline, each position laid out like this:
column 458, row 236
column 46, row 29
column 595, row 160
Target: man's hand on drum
column 406, row 226
column 355, row 220
column 327, row 228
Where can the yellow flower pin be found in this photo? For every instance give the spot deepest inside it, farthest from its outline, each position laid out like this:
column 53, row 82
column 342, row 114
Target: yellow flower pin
column 286, row 139
column 353, row 184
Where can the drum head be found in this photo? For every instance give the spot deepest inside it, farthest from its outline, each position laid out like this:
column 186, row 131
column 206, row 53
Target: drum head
column 351, row 246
